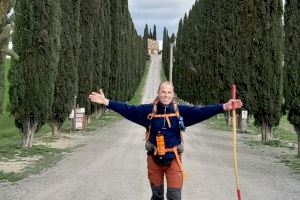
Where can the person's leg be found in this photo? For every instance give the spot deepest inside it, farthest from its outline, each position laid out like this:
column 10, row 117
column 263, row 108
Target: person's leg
column 174, row 181
column 156, row 179
column 157, row 192
column 173, row 194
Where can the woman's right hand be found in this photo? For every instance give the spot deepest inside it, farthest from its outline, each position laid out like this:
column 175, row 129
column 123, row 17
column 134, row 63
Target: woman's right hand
column 99, row 98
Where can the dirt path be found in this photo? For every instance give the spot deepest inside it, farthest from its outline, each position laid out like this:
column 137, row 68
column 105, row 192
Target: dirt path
column 112, row 166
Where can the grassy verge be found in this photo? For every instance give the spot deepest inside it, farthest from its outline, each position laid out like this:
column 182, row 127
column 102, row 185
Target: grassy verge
column 283, row 137
column 162, row 75
column 47, row 157
column 139, row 92
column 292, row 161
column 10, row 138
column 8, row 131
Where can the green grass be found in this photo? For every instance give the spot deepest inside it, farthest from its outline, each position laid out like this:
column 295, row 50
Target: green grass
column 49, row 156
column 138, row 95
column 106, row 120
column 254, row 144
column 292, row 161
column 283, row 135
column 285, row 131
column 7, row 126
column 218, row 122
column 162, row 75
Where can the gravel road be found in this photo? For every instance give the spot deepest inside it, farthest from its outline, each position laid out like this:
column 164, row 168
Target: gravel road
column 112, row 166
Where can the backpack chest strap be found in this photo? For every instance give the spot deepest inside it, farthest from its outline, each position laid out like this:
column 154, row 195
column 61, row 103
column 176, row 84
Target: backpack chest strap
column 166, row 116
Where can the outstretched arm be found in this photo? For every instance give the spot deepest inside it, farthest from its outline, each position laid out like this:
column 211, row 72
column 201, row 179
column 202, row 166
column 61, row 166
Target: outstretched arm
column 136, row 114
column 193, row 114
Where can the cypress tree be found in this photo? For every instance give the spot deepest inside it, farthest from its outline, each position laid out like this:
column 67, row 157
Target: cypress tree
column 98, row 53
column 266, row 65
column 244, row 43
column 154, row 32
column 173, row 38
column 178, row 64
column 129, row 61
column 105, row 82
column 124, row 51
column 166, row 52
column 36, row 40
column 150, row 34
column 88, row 12
column 211, row 44
column 116, row 58
column 67, row 78
column 145, row 38
column 292, row 64
column 146, row 31
column 132, row 78
column 181, row 67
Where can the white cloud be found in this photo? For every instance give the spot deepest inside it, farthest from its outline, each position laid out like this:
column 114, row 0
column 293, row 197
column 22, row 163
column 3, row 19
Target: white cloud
column 162, row 13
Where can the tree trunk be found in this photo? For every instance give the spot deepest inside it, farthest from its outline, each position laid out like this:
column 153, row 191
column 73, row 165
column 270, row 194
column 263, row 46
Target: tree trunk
column 238, row 121
column 298, row 135
column 99, row 112
column 227, row 118
column 55, row 127
column 297, row 129
column 29, row 129
column 3, row 8
column 266, row 131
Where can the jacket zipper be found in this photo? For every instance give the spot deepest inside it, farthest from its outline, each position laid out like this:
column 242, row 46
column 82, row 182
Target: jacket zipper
column 165, row 117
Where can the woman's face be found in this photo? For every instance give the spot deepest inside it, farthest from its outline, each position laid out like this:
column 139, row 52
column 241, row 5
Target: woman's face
column 166, row 94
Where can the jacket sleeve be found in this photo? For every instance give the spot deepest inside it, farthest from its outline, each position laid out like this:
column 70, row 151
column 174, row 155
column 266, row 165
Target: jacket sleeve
column 136, row 114
column 192, row 114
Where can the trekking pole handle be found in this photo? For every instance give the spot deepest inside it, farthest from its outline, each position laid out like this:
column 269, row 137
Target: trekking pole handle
column 233, row 96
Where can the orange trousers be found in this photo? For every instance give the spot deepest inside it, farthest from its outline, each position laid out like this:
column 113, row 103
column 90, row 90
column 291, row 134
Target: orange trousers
column 156, row 174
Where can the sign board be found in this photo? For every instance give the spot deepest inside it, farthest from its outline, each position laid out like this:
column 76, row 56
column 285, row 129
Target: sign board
column 71, row 115
column 80, row 118
column 244, row 114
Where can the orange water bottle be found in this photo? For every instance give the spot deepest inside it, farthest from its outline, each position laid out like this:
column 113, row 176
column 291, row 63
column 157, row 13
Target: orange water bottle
column 160, row 142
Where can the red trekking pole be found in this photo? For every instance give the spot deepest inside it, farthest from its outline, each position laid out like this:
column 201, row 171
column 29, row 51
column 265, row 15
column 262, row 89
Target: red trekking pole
column 233, row 97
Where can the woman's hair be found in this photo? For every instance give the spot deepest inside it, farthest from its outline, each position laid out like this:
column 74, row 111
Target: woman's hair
column 165, row 83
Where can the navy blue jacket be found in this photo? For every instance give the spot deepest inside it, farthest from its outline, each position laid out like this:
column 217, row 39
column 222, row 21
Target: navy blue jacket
column 190, row 114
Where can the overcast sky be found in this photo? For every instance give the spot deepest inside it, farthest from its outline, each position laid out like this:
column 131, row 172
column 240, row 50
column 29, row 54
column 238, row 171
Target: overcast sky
column 159, row 12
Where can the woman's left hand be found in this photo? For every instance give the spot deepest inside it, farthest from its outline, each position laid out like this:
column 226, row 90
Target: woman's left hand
column 228, row 106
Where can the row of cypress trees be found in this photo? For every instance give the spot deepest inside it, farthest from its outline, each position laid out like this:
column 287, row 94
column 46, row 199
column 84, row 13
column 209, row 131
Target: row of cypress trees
column 226, row 42
column 69, row 48
column 149, row 34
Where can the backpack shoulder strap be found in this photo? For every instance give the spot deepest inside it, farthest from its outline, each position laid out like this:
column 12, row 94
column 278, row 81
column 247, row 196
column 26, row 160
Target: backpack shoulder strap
column 154, row 111
column 175, row 107
column 176, row 110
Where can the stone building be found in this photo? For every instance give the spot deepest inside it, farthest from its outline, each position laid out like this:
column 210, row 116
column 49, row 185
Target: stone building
column 153, row 47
